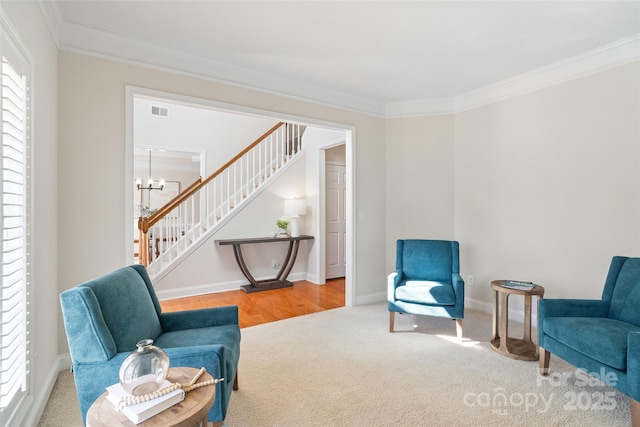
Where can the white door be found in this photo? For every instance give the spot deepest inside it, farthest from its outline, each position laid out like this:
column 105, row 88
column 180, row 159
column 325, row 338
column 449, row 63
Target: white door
column 336, row 226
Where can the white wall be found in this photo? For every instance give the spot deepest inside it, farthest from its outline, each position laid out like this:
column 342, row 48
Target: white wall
column 546, row 185
column 32, row 29
column 313, row 223
column 213, row 268
column 219, row 135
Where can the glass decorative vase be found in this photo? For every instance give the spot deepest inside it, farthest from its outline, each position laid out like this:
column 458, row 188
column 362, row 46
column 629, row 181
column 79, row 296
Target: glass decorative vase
column 145, row 369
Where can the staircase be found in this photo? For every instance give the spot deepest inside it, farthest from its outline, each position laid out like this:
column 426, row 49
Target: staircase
column 178, row 227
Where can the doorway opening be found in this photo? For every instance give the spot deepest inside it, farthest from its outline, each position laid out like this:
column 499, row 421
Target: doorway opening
column 315, row 171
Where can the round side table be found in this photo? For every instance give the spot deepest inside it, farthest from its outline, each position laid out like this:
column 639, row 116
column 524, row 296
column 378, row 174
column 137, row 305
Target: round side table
column 520, row 349
column 191, row 412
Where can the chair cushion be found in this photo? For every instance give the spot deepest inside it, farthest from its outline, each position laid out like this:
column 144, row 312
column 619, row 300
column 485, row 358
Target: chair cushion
column 626, row 293
column 426, row 292
column 599, row 338
column 226, row 335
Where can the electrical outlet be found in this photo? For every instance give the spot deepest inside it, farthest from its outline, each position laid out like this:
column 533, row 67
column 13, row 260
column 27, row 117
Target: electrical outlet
column 470, row 280
column 275, row 264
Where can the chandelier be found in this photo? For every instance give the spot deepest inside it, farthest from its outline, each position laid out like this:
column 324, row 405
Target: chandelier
column 150, row 181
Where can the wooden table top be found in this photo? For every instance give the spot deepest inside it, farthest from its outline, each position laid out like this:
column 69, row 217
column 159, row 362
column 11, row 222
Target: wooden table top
column 262, row 240
column 194, row 407
column 496, row 285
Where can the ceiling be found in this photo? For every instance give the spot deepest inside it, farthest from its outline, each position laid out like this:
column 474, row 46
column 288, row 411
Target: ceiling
column 387, row 57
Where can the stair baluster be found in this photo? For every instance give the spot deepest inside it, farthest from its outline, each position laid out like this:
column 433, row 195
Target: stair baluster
column 206, row 204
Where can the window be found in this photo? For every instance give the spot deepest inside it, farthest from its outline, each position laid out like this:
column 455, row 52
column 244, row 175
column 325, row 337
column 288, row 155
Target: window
column 15, row 221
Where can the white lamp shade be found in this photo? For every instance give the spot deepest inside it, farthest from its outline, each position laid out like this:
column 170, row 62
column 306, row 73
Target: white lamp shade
column 295, row 207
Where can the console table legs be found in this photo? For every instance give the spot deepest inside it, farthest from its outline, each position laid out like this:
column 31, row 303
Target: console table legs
column 280, row 281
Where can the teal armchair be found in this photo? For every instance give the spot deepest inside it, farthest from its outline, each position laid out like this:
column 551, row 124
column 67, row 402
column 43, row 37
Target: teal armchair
column 601, row 337
column 427, row 281
column 105, row 317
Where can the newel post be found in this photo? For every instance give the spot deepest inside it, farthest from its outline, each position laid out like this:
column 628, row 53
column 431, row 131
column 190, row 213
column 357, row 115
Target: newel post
column 143, row 227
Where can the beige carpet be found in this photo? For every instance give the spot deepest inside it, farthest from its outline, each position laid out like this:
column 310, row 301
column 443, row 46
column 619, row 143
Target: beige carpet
column 343, row 368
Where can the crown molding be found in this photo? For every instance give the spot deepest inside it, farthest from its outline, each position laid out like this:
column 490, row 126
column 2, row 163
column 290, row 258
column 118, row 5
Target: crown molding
column 76, row 38
column 609, row 56
column 52, row 17
column 79, row 39
column 420, row 107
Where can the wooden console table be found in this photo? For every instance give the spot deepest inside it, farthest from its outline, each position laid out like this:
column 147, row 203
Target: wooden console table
column 280, row 281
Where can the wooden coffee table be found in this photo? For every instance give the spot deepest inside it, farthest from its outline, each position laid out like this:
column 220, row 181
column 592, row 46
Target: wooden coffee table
column 520, row 349
column 192, row 411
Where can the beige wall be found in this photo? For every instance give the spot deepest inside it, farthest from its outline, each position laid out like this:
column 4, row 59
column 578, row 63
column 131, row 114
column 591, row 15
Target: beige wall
column 420, row 187
column 32, row 29
column 547, row 185
column 92, row 155
column 566, row 157
column 543, row 186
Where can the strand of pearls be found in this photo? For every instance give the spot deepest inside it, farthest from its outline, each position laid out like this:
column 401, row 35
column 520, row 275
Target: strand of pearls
column 187, row 388
column 132, row 400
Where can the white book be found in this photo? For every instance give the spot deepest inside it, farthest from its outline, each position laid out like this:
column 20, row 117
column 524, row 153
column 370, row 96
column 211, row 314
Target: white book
column 143, row 411
column 518, row 285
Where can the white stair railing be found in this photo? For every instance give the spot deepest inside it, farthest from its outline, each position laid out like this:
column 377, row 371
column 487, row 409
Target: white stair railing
column 181, row 223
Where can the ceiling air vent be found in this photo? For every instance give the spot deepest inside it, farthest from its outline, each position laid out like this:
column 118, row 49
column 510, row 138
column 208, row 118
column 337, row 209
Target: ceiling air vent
column 159, row 111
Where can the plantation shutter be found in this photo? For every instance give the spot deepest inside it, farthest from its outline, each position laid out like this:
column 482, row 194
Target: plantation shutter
column 14, row 315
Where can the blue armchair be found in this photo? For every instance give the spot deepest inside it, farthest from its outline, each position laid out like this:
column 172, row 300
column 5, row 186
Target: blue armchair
column 601, row 337
column 427, row 281
column 104, row 318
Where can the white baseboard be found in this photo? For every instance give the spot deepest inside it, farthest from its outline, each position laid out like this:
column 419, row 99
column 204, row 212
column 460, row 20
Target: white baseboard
column 485, row 307
column 515, row 315
column 191, row 291
column 213, row 288
column 371, row 298
column 475, row 304
column 313, row 278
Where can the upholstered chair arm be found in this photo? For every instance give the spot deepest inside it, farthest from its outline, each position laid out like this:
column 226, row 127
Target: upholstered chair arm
column 90, row 340
column 458, row 288
column 572, row 308
column 392, row 283
column 202, row 318
column 633, row 365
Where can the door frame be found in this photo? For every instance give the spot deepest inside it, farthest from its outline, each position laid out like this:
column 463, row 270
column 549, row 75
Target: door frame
column 350, row 137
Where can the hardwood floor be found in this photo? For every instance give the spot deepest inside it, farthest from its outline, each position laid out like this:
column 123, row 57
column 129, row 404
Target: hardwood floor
column 269, row 306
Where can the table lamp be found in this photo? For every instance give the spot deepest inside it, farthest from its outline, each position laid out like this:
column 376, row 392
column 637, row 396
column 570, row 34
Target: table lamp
column 294, row 208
